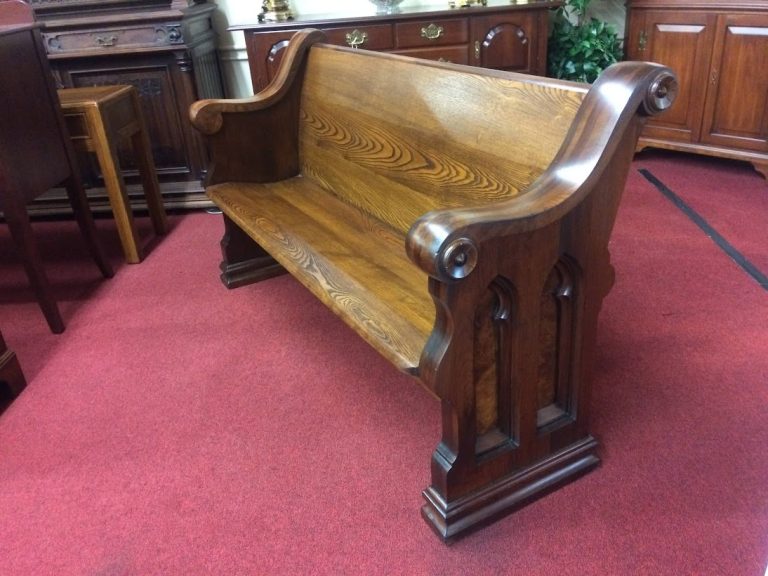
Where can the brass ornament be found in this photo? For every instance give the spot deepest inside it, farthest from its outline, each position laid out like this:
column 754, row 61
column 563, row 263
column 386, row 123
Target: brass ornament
column 432, row 32
column 356, row 38
column 275, row 11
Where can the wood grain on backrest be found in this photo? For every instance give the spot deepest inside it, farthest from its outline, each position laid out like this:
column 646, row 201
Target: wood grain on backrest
column 398, row 137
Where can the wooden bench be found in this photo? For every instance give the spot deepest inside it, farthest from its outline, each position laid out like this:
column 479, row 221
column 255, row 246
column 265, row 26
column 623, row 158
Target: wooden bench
column 458, row 220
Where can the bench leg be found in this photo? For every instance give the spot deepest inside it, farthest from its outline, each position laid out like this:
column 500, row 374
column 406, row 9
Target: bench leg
column 244, row 261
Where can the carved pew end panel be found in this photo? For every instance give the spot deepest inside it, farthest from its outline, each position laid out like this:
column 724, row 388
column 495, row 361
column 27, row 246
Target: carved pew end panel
column 500, row 349
column 528, row 378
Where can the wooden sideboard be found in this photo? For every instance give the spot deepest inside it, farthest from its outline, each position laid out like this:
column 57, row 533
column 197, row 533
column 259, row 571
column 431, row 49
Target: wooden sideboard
column 502, row 35
column 166, row 49
column 719, row 50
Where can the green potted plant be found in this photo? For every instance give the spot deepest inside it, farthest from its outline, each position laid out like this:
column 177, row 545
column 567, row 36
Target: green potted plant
column 580, row 47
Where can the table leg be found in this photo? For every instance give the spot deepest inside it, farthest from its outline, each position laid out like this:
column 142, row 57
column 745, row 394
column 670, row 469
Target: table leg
column 106, row 152
column 143, row 154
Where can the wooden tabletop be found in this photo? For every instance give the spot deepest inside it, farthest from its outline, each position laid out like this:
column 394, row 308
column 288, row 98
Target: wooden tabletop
column 93, row 95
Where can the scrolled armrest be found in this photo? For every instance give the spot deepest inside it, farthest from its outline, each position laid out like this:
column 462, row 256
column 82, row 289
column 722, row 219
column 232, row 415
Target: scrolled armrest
column 445, row 243
column 207, row 115
column 256, row 139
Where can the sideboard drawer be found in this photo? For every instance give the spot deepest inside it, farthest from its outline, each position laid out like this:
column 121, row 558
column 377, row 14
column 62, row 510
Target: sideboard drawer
column 377, row 37
column 455, row 54
column 113, row 38
column 432, row 33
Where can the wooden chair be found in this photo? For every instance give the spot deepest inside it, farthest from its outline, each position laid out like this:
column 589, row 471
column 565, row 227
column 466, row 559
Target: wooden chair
column 36, row 153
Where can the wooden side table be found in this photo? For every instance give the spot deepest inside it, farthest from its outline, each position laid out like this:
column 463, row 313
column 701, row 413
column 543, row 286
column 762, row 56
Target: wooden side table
column 98, row 118
column 10, row 371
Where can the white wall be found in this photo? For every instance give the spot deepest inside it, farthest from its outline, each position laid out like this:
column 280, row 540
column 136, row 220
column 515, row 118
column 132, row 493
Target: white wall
column 234, row 60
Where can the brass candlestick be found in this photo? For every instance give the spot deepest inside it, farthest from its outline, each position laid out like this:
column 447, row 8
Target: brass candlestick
column 275, row 11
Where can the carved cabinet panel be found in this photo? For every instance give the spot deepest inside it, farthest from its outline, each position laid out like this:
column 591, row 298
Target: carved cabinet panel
column 501, row 35
column 719, row 51
column 163, row 105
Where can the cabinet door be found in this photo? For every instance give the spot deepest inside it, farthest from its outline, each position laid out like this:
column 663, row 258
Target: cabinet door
column 508, row 42
column 683, row 41
column 736, row 112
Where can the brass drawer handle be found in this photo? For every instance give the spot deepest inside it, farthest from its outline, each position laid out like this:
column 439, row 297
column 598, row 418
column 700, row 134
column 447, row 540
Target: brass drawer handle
column 432, row 32
column 356, row 38
column 106, row 41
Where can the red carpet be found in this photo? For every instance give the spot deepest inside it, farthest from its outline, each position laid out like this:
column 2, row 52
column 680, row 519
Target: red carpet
column 731, row 196
column 177, row 428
